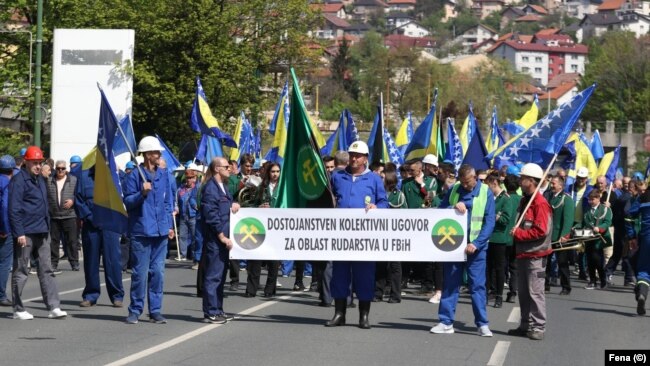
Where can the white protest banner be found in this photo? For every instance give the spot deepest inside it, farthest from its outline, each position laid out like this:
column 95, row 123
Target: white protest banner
column 421, row 235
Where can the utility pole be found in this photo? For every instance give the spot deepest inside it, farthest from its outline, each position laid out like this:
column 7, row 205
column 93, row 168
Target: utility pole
column 39, row 57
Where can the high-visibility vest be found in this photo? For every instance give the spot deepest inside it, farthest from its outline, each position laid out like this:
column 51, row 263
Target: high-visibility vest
column 478, row 209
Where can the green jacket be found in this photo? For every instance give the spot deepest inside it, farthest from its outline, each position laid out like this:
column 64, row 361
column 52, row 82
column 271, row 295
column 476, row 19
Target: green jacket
column 598, row 218
column 233, row 185
column 414, row 195
column 396, row 199
column 563, row 215
column 505, row 209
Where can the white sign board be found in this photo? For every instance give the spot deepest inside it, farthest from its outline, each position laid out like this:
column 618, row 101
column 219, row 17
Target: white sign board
column 432, row 235
column 82, row 58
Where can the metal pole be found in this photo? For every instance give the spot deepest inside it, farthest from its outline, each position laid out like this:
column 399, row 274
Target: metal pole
column 39, row 57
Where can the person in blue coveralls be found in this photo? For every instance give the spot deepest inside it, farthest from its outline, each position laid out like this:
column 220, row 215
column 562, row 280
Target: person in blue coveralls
column 216, row 205
column 7, row 165
column 355, row 187
column 639, row 241
column 470, row 196
column 149, row 203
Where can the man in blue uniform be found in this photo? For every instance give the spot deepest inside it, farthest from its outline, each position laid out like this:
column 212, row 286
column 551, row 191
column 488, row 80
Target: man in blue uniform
column 355, row 187
column 7, row 165
column 474, row 198
column 149, row 201
column 97, row 243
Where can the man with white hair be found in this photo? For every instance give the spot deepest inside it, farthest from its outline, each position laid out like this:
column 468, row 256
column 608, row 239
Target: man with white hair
column 63, row 220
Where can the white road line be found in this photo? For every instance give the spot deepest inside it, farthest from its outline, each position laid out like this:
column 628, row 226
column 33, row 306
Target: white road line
column 499, row 353
column 187, row 336
column 70, row 291
column 515, row 315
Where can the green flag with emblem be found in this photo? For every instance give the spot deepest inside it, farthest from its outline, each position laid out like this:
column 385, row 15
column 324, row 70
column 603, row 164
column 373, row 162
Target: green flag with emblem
column 303, row 180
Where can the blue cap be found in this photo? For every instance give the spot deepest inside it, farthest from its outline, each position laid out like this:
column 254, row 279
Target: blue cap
column 23, row 151
column 75, row 159
column 513, row 170
column 130, row 165
column 638, row 175
column 7, row 162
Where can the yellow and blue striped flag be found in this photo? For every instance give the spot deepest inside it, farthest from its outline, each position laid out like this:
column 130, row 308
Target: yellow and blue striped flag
column 467, row 130
column 202, row 120
column 425, row 136
column 109, row 212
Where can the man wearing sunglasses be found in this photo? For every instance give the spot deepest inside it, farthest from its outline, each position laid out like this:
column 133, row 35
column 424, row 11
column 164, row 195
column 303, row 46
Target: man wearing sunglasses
column 63, row 227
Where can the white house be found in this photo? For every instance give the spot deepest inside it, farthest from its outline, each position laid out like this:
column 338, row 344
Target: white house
column 401, row 5
column 397, row 19
column 594, row 25
column 411, row 29
column 637, row 6
column 637, row 23
column 476, row 35
column 579, row 8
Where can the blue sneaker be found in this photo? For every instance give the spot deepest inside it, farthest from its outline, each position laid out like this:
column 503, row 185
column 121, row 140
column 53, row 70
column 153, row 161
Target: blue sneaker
column 132, row 318
column 157, row 318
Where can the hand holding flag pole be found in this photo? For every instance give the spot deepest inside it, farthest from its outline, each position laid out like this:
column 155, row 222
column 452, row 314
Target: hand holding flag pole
column 119, row 128
column 530, row 201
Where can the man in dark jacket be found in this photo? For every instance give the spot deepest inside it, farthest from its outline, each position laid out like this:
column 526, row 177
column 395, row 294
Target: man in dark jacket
column 60, row 197
column 30, row 226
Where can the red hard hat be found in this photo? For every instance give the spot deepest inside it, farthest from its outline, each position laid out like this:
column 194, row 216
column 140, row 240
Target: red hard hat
column 34, row 153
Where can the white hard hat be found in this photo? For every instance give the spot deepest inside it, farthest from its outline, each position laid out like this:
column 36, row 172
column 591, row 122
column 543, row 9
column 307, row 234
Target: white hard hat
column 582, row 172
column 358, row 147
column 430, row 159
column 193, row 166
column 532, row 170
column 150, row 143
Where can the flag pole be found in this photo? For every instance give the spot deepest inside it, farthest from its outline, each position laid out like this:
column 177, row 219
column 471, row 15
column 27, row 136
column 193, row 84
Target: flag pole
column 126, row 142
column 178, row 249
column 609, row 191
column 548, row 169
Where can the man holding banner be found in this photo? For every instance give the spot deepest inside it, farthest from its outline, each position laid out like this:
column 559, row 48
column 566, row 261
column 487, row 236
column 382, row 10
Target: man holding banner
column 355, row 187
column 471, row 196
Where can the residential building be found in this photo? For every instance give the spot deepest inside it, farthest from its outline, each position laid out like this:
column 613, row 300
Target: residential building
column 594, row 25
column 477, row 35
column 336, row 9
column 560, row 94
column 580, row 8
column 639, row 6
column 357, row 30
column 450, row 10
column 401, row 5
column 634, row 22
column 332, row 28
column 397, row 19
column 393, row 41
column 411, row 29
column 483, row 8
column 363, row 9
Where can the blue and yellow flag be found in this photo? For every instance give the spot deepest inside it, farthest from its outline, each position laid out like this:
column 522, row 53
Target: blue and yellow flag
column 425, row 137
column 109, row 212
column 495, row 139
column 202, row 120
column 282, row 103
column 338, row 141
column 405, row 133
column 276, row 152
column 596, row 146
column 209, row 148
column 530, row 117
column 455, row 153
column 468, row 128
column 244, row 137
column 609, row 164
column 583, row 159
column 123, row 145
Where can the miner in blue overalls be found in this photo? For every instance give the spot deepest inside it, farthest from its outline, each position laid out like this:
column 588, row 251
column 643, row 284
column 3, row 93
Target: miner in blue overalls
column 149, row 203
column 639, row 239
column 355, row 187
column 471, row 196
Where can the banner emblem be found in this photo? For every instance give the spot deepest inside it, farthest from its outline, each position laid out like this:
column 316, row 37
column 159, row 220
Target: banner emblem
column 447, row 235
column 249, row 233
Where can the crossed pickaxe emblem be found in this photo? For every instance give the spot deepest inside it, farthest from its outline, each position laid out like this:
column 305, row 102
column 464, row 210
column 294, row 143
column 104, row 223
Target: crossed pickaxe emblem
column 446, row 233
column 249, row 230
column 308, row 171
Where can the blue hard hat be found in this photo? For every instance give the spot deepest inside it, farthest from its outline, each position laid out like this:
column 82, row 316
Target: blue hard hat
column 130, row 165
column 7, row 162
column 513, row 170
column 23, row 151
column 187, row 164
column 638, row 175
column 75, row 159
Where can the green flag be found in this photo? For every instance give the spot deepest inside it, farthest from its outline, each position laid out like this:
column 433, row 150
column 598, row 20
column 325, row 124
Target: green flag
column 303, row 180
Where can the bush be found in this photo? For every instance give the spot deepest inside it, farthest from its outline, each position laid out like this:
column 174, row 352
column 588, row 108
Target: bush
column 11, row 141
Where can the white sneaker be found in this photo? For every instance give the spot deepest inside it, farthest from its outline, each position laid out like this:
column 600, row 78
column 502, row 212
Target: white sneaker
column 484, row 331
column 278, row 284
column 23, row 315
column 57, row 313
column 441, row 328
column 435, row 299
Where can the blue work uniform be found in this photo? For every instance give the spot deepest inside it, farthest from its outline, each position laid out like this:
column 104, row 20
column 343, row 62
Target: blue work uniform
column 640, row 207
column 351, row 192
column 150, row 219
column 215, row 219
column 6, row 243
column 187, row 208
column 97, row 242
column 475, row 265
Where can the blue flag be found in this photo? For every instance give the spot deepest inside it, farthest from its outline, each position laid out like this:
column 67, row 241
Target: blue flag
column 455, row 148
column 425, row 137
column 346, row 133
column 376, row 139
column 170, row 159
column 391, row 152
column 513, row 128
column 209, row 148
column 541, row 141
column 596, row 146
column 202, row 120
column 257, row 150
column 120, row 145
column 284, row 95
column 476, row 151
column 109, row 212
column 613, row 166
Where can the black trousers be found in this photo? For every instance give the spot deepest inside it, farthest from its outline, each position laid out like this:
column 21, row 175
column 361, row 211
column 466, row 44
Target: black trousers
column 254, row 269
column 595, row 263
column 234, row 271
column 300, row 272
column 66, row 230
column 322, row 276
column 496, row 267
column 563, row 257
column 125, row 249
column 512, row 269
column 388, row 272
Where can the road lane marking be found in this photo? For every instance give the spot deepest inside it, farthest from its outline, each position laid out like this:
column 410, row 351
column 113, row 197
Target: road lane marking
column 499, row 353
column 515, row 315
column 195, row 333
column 71, row 291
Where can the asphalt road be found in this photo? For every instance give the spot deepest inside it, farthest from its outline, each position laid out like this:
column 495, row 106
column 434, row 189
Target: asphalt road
column 288, row 330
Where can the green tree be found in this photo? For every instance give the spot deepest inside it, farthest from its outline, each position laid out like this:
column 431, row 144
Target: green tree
column 620, row 64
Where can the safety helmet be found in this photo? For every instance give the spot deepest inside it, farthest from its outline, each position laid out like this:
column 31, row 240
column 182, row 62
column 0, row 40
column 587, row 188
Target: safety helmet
column 513, row 170
column 34, row 153
column 195, row 167
column 187, row 164
column 23, row 151
column 7, row 162
column 75, row 159
column 190, row 173
column 430, row 159
column 532, row 170
column 638, row 175
column 582, row 172
column 150, row 143
column 358, row 147
column 129, row 165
